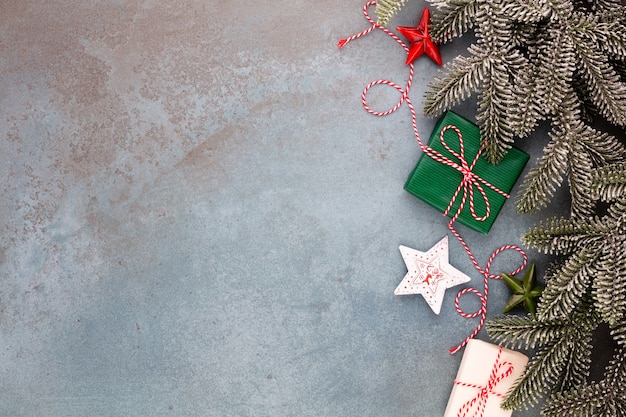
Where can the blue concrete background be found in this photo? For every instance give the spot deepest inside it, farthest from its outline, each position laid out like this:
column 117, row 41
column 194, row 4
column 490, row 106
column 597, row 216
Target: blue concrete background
column 198, row 218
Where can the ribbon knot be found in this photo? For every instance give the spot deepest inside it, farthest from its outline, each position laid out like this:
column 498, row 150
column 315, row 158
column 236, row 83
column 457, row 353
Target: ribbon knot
column 499, row 371
column 470, row 180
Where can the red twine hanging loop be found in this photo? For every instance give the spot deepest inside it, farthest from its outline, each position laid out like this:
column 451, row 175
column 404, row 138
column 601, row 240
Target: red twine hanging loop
column 404, row 93
column 500, row 371
column 483, row 297
column 468, row 183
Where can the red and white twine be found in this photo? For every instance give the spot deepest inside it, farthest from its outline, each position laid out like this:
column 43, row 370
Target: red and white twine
column 499, row 371
column 469, row 182
column 404, row 93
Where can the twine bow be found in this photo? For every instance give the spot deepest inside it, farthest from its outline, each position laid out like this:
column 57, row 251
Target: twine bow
column 468, row 183
column 470, row 179
column 477, row 404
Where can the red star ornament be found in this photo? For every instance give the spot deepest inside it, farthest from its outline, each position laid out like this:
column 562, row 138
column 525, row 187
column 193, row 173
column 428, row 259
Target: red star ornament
column 420, row 40
column 429, row 274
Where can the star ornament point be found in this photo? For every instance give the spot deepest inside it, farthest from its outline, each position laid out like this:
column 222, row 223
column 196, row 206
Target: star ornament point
column 421, row 42
column 429, row 274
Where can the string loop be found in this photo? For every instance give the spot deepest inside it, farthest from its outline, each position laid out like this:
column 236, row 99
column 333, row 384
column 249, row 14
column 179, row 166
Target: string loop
column 404, row 92
column 483, row 297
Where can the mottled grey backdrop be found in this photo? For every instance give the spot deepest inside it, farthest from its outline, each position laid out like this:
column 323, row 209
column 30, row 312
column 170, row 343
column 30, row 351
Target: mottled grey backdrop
column 198, row 218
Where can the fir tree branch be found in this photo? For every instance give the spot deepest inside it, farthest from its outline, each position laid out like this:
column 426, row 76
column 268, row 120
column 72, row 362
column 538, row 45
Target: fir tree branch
column 617, row 212
column 528, row 94
column 557, row 364
column 492, row 114
column 580, row 179
column 554, row 65
column 452, row 18
column 524, row 332
column 525, row 37
column 604, row 87
column 527, row 12
column 494, row 30
column 615, row 375
column 579, row 362
column 544, row 370
column 604, row 398
column 561, row 9
column 609, row 182
column 387, row 9
column 619, row 335
column 563, row 236
column 609, row 284
column 463, row 77
column 540, row 184
column 582, row 401
column 615, row 372
column 602, row 148
column 611, row 38
column 566, row 287
column 586, row 148
column 608, row 6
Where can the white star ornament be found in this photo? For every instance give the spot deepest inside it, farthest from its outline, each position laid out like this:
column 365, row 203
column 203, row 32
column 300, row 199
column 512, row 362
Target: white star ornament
column 429, row 274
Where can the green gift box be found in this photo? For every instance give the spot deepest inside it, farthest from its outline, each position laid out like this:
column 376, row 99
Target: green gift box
column 435, row 182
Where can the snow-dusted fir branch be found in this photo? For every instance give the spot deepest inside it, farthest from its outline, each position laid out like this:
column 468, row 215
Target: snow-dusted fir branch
column 535, row 55
column 562, row 359
column 454, row 18
column 387, row 9
column 596, row 261
column 609, row 182
column 560, row 64
column 604, row 398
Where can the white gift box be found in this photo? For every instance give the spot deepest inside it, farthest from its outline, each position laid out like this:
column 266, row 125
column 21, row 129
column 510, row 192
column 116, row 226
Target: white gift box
column 485, row 375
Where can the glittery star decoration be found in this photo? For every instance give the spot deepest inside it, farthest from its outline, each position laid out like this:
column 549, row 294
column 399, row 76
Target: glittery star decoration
column 420, row 40
column 525, row 291
column 429, row 274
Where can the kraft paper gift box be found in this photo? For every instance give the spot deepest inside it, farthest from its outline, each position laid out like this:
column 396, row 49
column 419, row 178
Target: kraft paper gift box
column 484, row 365
column 435, row 183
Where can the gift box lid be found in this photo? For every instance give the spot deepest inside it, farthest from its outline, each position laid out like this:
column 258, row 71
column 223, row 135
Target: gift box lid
column 435, row 183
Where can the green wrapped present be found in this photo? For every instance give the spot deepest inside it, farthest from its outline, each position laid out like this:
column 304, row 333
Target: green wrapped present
column 435, row 182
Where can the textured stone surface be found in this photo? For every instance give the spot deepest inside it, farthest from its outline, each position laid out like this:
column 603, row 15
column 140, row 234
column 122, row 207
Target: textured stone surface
column 199, row 219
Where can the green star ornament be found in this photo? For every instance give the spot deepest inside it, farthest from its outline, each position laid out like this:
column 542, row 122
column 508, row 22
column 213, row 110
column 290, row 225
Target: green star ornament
column 524, row 291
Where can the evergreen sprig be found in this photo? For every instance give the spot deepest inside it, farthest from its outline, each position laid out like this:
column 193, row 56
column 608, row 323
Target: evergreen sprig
column 596, row 263
column 533, row 56
column 574, row 150
column 386, row 9
column 457, row 18
column 609, row 182
column 604, row 398
column 561, row 64
column 586, row 288
column 562, row 358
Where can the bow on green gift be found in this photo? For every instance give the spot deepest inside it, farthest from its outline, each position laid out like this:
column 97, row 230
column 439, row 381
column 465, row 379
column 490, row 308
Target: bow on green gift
column 437, row 183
